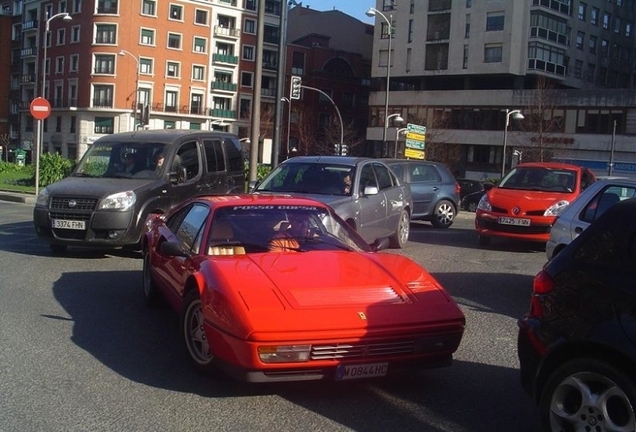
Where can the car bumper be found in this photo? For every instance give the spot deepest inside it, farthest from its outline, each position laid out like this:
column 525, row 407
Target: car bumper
column 537, row 231
column 529, row 359
column 549, row 249
column 103, row 228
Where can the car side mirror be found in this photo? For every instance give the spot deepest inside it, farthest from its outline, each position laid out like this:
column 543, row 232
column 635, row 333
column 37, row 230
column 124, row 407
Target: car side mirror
column 178, row 176
column 488, row 186
column 173, row 249
column 371, row 190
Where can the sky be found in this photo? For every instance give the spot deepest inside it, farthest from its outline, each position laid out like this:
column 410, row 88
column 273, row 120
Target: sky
column 355, row 8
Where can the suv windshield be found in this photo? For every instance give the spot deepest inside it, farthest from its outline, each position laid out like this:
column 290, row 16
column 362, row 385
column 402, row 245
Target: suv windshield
column 141, row 160
column 540, row 179
column 309, row 178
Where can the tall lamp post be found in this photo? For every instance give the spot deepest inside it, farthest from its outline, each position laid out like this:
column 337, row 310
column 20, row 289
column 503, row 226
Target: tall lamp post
column 516, row 114
column 285, row 99
column 39, row 143
column 370, row 13
column 398, row 119
column 123, row 52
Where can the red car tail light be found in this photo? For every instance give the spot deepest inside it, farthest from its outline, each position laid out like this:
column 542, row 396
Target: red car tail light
column 458, row 188
column 543, row 284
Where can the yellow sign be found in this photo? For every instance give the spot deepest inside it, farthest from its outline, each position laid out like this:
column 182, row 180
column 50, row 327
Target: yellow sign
column 415, row 136
column 413, row 154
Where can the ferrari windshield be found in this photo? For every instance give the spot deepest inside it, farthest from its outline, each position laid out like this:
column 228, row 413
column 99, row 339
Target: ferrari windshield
column 540, row 179
column 309, row 178
column 141, row 160
column 306, row 227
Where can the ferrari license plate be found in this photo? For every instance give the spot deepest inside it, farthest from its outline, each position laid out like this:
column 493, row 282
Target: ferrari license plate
column 371, row 370
column 513, row 221
column 68, row 224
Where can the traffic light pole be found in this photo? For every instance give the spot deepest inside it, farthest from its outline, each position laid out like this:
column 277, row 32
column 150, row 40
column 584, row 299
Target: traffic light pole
column 337, row 111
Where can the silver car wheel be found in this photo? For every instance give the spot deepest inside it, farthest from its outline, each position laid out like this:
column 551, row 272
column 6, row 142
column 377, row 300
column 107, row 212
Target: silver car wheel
column 194, row 334
column 444, row 214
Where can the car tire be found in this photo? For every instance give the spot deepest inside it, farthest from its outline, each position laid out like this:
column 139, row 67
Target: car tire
column 58, row 248
column 401, row 236
column 483, row 240
column 588, row 391
column 472, row 207
column 444, row 214
column 151, row 293
column 193, row 333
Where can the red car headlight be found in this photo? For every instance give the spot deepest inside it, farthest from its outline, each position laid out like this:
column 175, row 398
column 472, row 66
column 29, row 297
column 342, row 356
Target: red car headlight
column 284, row 353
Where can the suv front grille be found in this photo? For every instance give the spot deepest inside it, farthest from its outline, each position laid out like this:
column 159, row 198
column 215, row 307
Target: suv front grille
column 79, row 204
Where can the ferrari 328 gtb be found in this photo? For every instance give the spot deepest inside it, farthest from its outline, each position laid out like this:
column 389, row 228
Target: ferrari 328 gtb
column 280, row 288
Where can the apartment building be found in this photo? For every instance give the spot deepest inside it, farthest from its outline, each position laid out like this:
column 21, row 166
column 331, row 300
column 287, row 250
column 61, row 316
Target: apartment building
column 117, row 66
column 462, row 67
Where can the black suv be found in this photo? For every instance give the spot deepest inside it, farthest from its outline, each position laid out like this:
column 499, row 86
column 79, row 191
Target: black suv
column 434, row 189
column 124, row 177
column 577, row 343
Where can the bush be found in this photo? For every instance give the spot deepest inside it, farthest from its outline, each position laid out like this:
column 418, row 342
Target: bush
column 10, row 167
column 53, row 167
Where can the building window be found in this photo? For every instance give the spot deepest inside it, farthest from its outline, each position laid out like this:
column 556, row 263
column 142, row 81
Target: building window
column 592, row 44
column 73, row 127
column 580, row 40
column 176, row 12
column 104, row 64
column 467, row 27
column 198, row 73
column 77, row 6
column 174, row 41
column 582, row 11
column 607, row 17
column 200, row 45
column 465, row 62
column 74, row 66
column 628, row 29
column 495, row 21
column 59, row 65
column 61, row 36
column 604, row 47
column 248, row 52
column 578, row 68
column 298, row 63
column 618, row 25
column 594, row 16
column 169, row 124
column 145, row 66
column 104, row 125
column 250, row 5
column 201, row 17
column 102, row 96
column 172, row 98
column 147, row 37
column 58, row 124
column 493, row 53
column 106, row 34
column 172, row 69
column 591, row 70
column 75, row 34
column 246, row 79
column 149, row 7
column 107, row 6
column 249, row 26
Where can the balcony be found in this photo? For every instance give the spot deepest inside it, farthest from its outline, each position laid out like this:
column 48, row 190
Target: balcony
column 268, row 92
column 29, row 52
column 542, row 65
column 226, row 86
column 223, row 113
column 270, row 65
column 225, row 58
column 102, row 103
column 29, row 25
column 28, row 79
column 227, row 32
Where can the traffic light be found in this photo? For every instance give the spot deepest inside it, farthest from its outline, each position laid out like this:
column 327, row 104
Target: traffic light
column 294, row 92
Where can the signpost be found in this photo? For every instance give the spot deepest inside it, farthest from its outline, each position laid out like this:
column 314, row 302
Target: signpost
column 415, row 141
column 40, row 109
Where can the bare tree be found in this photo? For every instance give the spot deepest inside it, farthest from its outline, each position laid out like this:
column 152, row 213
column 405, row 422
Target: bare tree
column 351, row 137
column 542, row 118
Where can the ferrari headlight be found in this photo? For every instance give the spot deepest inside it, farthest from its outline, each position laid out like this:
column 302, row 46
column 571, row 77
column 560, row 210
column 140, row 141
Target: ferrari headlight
column 43, row 198
column 484, row 203
column 119, row 201
column 284, row 353
column 556, row 208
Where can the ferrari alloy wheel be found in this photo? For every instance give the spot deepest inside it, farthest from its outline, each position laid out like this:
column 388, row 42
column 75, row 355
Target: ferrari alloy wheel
column 444, row 214
column 401, row 236
column 588, row 394
column 150, row 289
column 193, row 333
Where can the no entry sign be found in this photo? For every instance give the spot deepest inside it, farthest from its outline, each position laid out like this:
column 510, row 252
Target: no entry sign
column 40, row 108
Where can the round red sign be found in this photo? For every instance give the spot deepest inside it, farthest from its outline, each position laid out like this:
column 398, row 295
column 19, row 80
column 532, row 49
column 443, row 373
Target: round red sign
column 40, row 108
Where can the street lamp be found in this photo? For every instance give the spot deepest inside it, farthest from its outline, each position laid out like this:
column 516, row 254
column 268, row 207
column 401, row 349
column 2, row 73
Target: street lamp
column 516, row 114
column 123, row 52
column 370, row 13
column 397, row 136
column 285, row 99
column 398, row 119
column 39, row 143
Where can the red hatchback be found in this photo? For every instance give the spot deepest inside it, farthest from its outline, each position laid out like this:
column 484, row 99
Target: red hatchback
column 526, row 202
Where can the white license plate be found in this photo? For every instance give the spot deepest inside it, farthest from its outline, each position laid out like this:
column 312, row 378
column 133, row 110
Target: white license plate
column 513, row 221
column 68, row 224
column 371, row 370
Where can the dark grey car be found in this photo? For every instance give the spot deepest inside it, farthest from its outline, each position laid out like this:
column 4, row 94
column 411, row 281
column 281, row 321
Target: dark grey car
column 362, row 191
column 434, row 190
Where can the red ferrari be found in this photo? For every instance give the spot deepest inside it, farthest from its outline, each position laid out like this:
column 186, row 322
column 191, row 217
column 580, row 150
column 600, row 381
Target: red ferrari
column 276, row 288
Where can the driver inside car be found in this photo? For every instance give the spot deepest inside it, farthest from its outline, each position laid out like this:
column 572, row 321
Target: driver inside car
column 290, row 233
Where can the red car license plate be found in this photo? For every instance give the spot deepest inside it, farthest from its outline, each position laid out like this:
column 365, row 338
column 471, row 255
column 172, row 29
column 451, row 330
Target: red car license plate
column 513, row 221
column 371, row 370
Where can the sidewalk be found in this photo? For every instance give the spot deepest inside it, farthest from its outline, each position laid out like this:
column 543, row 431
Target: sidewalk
column 17, row 197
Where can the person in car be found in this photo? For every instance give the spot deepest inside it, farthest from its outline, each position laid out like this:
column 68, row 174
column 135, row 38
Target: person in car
column 289, row 235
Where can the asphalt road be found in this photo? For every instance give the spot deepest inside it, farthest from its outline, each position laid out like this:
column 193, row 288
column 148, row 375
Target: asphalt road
column 79, row 351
